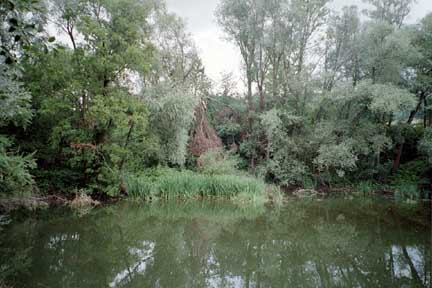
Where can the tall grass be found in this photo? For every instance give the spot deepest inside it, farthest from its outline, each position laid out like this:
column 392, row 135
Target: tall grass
column 185, row 184
column 140, row 186
column 365, row 187
column 407, row 192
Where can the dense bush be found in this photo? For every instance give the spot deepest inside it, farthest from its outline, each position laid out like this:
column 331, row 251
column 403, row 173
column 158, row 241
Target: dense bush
column 218, row 162
column 425, row 145
column 15, row 175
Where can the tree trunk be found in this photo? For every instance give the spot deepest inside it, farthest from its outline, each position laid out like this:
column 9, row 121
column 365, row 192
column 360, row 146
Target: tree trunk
column 131, row 127
column 262, row 98
column 69, row 29
column 396, row 163
column 373, row 75
column 123, row 187
column 274, row 78
column 430, row 117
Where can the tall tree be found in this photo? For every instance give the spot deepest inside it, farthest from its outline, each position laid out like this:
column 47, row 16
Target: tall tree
column 393, row 12
column 341, row 50
column 19, row 23
column 240, row 20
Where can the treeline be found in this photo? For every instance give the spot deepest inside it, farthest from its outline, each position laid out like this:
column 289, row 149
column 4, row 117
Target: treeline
column 332, row 97
column 92, row 92
column 114, row 93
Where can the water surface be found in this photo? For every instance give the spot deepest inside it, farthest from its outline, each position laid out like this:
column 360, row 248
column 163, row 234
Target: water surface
column 305, row 243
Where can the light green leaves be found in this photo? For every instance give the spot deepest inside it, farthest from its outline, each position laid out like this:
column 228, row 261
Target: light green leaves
column 425, row 145
column 388, row 99
column 339, row 157
column 172, row 116
column 15, row 101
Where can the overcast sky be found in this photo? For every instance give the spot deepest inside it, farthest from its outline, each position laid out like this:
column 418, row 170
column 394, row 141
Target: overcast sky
column 218, row 54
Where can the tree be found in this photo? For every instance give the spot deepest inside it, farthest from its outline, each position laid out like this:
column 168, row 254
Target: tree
column 392, row 12
column 341, row 50
column 88, row 117
column 172, row 118
column 176, row 90
column 19, row 21
column 241, row 21
column 423, row 79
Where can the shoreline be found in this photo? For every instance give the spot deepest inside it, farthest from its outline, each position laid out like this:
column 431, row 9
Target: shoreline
column 35, row 202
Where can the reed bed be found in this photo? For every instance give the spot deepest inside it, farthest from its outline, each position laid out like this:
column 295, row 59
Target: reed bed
column 186, row 184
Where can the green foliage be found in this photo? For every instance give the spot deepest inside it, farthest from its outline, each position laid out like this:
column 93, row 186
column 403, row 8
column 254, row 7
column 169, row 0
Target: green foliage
column 285, row 171
column 14, row 99
column 388, row 99
column 15, row 178
column 407, row 192
column 411, row 172
column 409, row 180
column 186, row 184
column 16, row 31
column 172, row 116
column 425, row 145
column 20, row 20
column 91, row 118
column 118, row 93
column 286, row 163
column 392, row 12
column 365, row 187
column 227, row 116
column 218, row 162
column 347, row 137
column 336, row 157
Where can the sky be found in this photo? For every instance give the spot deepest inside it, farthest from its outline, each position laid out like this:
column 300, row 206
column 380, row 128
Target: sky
column 219, row 55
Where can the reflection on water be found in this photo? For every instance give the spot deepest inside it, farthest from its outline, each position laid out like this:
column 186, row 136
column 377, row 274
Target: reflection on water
column 329, row 243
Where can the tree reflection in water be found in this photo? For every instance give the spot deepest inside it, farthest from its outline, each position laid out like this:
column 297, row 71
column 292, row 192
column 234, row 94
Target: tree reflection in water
column 330, row 243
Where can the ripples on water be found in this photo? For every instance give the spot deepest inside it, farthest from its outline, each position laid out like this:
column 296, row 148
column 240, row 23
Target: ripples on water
column 329, row 243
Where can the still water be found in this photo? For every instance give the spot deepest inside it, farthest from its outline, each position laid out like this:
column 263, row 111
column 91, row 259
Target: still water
column 304, row 243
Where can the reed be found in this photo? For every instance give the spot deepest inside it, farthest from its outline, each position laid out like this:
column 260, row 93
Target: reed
column 186, row 184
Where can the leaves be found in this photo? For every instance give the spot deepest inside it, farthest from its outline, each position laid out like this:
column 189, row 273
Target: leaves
column 339, row 157
column 425, row 145
column 14, row 100
column 389, row 99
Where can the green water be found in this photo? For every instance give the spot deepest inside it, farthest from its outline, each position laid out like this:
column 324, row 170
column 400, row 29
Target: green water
column 320, row 243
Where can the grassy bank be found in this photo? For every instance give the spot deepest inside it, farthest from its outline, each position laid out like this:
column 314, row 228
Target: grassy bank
column 168, row 184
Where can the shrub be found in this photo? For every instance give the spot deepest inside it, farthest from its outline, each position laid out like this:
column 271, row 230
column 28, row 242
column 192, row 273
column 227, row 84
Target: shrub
column 409, row 179
column 425, row 145
column 407, row 192
column 218, row 162
column 339, row 158
column 15, row 177
column 365, row 187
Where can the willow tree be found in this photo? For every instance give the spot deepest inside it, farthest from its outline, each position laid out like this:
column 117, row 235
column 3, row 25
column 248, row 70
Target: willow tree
column 393, row 12
column 242, row 21
column 176, row 90
column 341, row 50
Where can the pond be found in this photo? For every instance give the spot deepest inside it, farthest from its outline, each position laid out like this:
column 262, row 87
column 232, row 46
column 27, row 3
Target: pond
column 303, row 243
